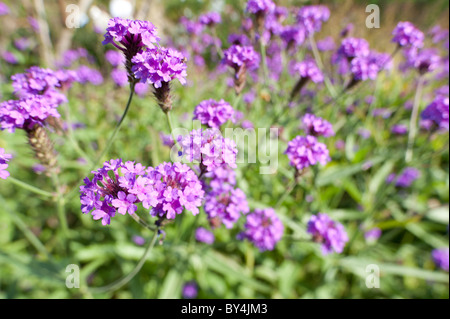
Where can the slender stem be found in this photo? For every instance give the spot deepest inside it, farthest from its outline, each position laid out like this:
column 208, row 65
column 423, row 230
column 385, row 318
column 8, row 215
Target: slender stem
column 118, row 126
column 264, row 60
column 30, row 187
column 413, row 122
column 142, row 222
column 287, row 193
column 123, row 281
column 319, row 62
column 218, row 47
column 60, row 205
column 169, row 123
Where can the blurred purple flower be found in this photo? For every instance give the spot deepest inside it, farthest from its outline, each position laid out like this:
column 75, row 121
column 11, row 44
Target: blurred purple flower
column 306, row 151
column 327, row 232
column 440, row 258
column 205, row 236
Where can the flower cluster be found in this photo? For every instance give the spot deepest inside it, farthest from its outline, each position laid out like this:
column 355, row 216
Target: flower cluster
column 263, row 228
column 158, row 65
column 327, row 232
column 118, row 187
column 210, row 18
column 237, row 56
column 213, row 113
column 307, row 69
column 4, row 9
column 304, row 151
column 4, row 159
column 354, row 47
column 316, row 126
column 38, row 81
column 208, row 148
column 438, row 112
column 440, row 258
column 405, row 178
column 311, row 17
column 406, row 34
column 25, row 113
column 260, row 6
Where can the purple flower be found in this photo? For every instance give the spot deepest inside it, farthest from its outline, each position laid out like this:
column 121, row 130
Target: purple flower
column 326, row 44
column 209, row 148
column 204, row 236
column 372, row 235
column 115, row 58
column 225, row 204
column 426, row 60
column 293, row 36
column 311, row 17
column 125, row 203
column 138, row 240
column 438, row 112
column 407, row 177
column 125, row 34
column 4, row 159
column 141, row 89
column 399, row 129
column 22, row 43
column 237, row 56
column 38, row 81
column 192, row 27
column 10, row 57
column 307, row 70
column 316, row 126
column 190, row 290
column 166, row 139
column 364, row 68
column 210, row 18
column 260, row 6
column 327, row 232
column 354, row 47
column 306, row 151
column 364, row 133
column 440, row 258
column 26, row 113
column 159, row 65
column 263, row 228
column 239, row 39
column 406, row 34
column 213, row 113
column 173, row 187
column 119, row 77
column 85, row 74
column 4, row 9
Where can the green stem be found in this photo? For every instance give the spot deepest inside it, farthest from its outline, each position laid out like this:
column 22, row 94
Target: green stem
column 30, row 187
column 413, row 121
column 123, row 281
column 142, row 222
column 319, row 62
column 287, row 193
column 169, row 123
column 264, row 60
column 60, row 205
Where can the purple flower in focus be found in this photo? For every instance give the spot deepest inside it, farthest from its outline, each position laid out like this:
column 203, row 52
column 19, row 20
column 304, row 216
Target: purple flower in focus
column 407, row 177
column 327, row 232
column 209, row 148
column 204, row 236
column 190, row 290
column 130, row 35
column 213, row 113
column 440, row 258
column 4, row 159
column 263, row 228
column 306, row 151
column 406, row 34
column 159, row 65
column 438, row 112
column 316, row 126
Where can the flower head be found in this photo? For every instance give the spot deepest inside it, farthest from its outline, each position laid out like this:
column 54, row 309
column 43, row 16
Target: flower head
column 210, row 18
column 4, row 159
column 354, row 47
column 209, row 148
column 407, row 177
column 260, row 6
column 308, row 70
column 438, row 112
column 406, row 34
column 205, row 236
column 213, row 113
column 126, row 33
column 263, row 228
column 440, row 258
column 311, row 17
column 237, row 56
column 328, row 232
column 304, row 151
column 190, row 290
column 316, row 126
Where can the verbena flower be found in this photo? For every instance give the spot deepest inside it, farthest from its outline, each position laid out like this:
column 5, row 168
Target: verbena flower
column 159, row 65
column 312, row 17
column 119, row 77
column 406, row 34
column 4, row 9
column 27, row 112
column 372, row 235
column 440, row 258
column 438, row 112
column 364, row 69
column 304, row 151
column 115, row 58
column 260, row 6
column 316, row 126
column 399, row 129
column 307, row 69
column 210, row 18
column 293, row 36
column 209, row 148
column 237, row 56
column 4, row 159
column 354, row 47
column 86, row 74
column 329, row 233
column 213, row 113
column 407, row 177
column 38, row 81
column 190, row 290
column 205, row 236
column 425, row 60
column 263, row 228
column 225, row 204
